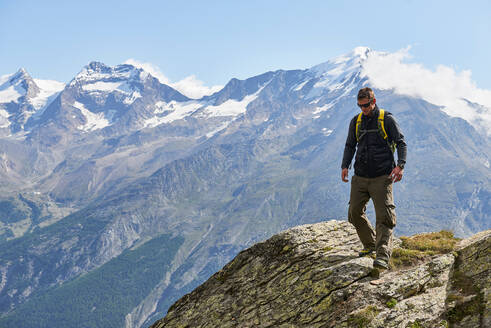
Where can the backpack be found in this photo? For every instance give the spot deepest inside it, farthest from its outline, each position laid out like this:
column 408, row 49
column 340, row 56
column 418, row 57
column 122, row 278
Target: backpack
column 380, row 129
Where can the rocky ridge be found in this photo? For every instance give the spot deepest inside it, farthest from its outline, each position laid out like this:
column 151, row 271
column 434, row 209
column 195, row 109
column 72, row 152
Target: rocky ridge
column 311, row 276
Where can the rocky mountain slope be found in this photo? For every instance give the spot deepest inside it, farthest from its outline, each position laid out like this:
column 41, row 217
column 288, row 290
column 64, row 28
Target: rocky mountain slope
column 311, row 276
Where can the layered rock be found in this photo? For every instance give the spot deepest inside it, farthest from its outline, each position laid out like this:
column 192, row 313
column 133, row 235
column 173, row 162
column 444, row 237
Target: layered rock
column 311, row 276
column 469, row 295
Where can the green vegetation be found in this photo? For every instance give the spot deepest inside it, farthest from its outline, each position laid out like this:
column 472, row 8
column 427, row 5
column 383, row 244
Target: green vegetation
column 363, row 317
column 17, row 216
column 402, row 257
column 104, row 296
column 440, row 242
column 14, row 210
column 414, row 324
column 327, row 248
column 79, row 225
column 391, row 303
column 418, row 248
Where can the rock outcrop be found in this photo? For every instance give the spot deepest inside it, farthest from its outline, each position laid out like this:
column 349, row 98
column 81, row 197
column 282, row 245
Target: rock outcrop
column 311, row 276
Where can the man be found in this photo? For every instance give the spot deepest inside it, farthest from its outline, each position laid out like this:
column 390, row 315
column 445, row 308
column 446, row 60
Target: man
column 375, row 172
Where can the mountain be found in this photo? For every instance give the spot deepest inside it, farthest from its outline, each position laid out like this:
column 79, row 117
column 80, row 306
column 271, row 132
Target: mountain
column 119, row 167
column 21, row 97
column 311, row 276
column 101, row 96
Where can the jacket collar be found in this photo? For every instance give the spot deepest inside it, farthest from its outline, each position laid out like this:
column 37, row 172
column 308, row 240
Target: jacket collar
column 374, row 112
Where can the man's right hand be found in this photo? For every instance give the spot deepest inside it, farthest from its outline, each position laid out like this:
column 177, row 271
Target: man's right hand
column 344, row 175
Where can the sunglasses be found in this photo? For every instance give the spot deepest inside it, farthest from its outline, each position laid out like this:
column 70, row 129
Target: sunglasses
column 365, row 105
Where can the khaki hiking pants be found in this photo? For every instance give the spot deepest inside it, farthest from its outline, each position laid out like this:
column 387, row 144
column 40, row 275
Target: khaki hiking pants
column 380, row 191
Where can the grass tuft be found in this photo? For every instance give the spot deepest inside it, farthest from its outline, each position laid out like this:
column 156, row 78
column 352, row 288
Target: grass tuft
column 363, row 317
column 391, row 303
column 414, row 324
column 418, row 248
column 439, row 242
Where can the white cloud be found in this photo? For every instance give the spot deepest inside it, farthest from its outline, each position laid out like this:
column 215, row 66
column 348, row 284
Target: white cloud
column 189, row 86
column 443, row 87
column 194, row 88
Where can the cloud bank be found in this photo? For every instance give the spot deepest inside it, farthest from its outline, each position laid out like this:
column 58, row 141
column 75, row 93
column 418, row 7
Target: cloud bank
column 189, row 86
column 443, row 87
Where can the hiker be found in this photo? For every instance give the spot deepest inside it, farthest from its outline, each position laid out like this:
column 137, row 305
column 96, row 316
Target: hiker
column 374, row 135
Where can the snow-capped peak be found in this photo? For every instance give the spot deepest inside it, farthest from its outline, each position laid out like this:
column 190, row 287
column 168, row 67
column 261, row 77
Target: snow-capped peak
column 124, row 79
column 361, row 52
column 96, row 71
column 389, row 70
column 37, row 92
column 17, row 77
column 338, row 73
column 16, row 85
column 21, row 97
column 343, row 65
column 22, row 72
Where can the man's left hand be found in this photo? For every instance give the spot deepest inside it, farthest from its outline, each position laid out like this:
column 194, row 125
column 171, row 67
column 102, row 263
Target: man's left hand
column 396, row 174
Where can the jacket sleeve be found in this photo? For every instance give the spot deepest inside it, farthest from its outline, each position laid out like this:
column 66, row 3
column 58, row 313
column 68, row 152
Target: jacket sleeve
column 350, row 147
column 395, row 134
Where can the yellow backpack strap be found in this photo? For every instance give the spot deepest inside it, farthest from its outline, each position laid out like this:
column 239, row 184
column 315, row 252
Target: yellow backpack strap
column 358, row 124
column 381, row 123
column 383, row 133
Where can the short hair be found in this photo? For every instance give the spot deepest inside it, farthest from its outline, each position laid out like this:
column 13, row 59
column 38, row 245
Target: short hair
column 366, row 93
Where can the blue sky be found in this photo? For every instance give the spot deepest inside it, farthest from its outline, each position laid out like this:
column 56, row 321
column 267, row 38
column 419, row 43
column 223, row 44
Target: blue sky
column 218, row 40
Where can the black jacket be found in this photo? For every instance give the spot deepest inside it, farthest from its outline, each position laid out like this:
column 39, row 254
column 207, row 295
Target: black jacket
column 373, row 155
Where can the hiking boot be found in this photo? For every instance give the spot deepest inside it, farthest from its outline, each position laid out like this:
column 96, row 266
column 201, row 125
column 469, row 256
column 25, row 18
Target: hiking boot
column 366, row 252
column 380, row 264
